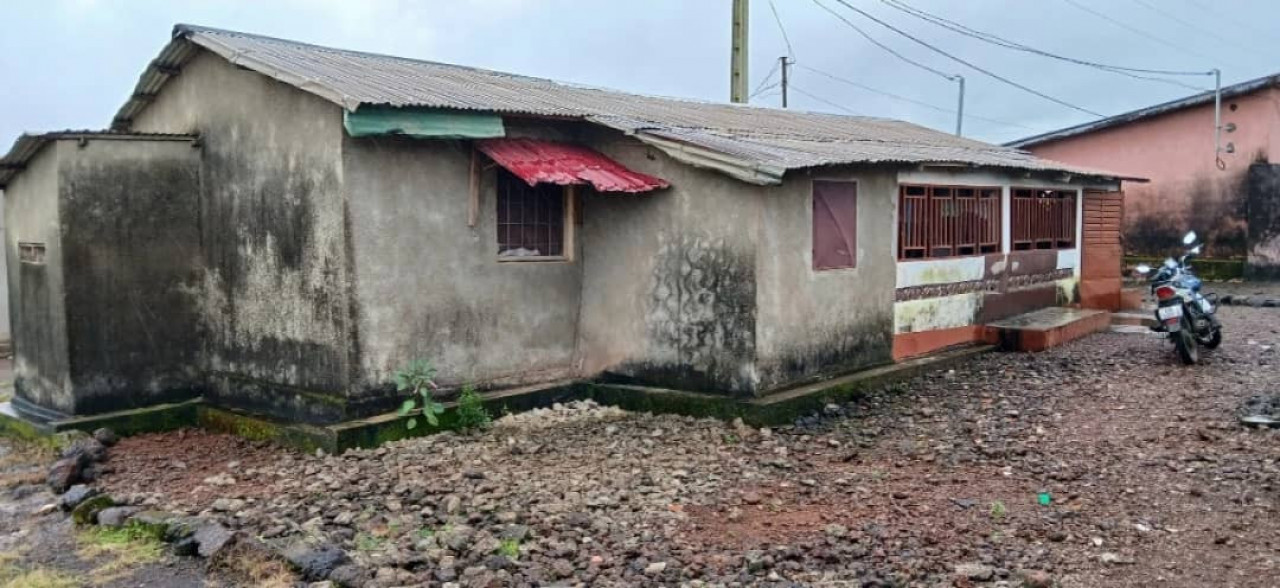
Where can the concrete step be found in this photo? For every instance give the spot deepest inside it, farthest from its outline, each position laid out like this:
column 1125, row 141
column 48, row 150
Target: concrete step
column 1048, row 327
column 1135, row 318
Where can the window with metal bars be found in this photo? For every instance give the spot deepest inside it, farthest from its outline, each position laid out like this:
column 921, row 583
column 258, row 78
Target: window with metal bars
column 531, row 219
column 1043, row 219
column 936, row 222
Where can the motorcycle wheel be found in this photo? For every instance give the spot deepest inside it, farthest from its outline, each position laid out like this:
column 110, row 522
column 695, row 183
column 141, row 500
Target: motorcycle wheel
column 1213, row 340
column 1185, row 341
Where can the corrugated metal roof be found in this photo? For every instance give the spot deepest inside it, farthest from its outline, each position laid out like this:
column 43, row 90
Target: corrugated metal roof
column 28, row 145
column 753, row 143
column 1196, row 100
column 536, row 161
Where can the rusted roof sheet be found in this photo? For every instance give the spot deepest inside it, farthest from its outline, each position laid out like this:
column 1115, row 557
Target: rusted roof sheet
column 28, row 145
column 536, row 161
column 752, row 143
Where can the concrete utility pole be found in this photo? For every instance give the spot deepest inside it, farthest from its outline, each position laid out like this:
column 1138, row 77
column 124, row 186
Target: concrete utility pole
column 785, row 65
column 738, row 55
column 960, row 107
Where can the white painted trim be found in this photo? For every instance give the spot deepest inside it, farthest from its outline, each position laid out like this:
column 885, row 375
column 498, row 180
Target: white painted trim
column 950, row 270
column 1006, row 219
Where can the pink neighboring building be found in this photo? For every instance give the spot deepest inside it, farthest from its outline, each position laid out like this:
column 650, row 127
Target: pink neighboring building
column 1231, row 202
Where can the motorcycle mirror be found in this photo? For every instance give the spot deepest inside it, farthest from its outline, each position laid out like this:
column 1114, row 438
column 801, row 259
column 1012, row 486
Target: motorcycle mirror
column 1189, row 238
column 1195, row 250
column 1142, row 269
column 1170, row 263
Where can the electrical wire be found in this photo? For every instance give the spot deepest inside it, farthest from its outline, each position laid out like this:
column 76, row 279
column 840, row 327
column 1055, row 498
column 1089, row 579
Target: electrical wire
column 1226, row 17
column 790, row 52
column 1139, row 32
column 887, row 48
column 1191, row 25
column 971, row 65
column 909, row 100
column 1008, row 44
column 821, row 99
column 767, row 77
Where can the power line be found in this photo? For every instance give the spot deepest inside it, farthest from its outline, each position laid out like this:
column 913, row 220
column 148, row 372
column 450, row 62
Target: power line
column 1228, row 18
column 823, row 100
column 1008, row 44
column 882, row 45
column 1191, row 25
column 906, row 99
column 791, row 52
column 1138, row 31
column 971, row 65
column 767, row 77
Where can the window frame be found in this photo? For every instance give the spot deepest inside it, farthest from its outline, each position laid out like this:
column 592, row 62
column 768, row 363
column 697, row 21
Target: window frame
column 993, row 195
column 857, row 202
column 1057, row 245
column 569, row 214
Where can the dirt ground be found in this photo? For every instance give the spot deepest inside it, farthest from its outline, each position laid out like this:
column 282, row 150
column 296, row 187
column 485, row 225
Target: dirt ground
column 1100, row 463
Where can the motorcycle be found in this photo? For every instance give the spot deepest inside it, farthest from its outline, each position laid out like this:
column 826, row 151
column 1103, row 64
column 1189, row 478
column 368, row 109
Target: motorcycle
column 1187, row 316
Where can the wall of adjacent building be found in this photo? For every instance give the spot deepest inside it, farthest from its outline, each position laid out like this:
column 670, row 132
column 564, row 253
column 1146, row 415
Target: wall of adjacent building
column 1187, row 190
column 275, row 294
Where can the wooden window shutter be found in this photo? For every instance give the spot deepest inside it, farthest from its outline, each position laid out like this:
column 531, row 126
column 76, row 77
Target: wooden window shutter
column 835, row 224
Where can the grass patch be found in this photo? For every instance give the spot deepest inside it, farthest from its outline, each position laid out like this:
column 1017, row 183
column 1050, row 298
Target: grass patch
column 12, row 575
column 367, row 542
column 998, row 510
column 246, row 566
column 424, row 533
column 509, row 548
column 120, row 550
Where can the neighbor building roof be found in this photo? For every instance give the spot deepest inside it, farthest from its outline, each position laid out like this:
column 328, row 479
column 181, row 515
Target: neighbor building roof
column 28, row 145
column 1144, row 113
column 751, row 143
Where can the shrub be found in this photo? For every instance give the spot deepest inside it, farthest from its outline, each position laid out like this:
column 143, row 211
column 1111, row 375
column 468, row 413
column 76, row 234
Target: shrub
column 418, row 379
column 471, row 411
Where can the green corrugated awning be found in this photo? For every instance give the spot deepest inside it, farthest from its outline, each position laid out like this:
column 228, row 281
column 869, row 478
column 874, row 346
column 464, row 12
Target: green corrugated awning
column 427, row 123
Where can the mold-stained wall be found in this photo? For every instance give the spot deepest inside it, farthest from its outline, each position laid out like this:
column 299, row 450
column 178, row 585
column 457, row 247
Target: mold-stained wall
column 670, row 277
column 428, row 285
column 275, row 303
column 821, row 322
column 36, row 303
column 129, row 212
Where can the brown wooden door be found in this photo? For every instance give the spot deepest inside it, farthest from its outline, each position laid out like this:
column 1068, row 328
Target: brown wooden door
column 1101, row 254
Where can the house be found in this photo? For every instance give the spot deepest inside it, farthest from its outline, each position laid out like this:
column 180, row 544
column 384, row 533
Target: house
column 278, row 227
column 1233, row 199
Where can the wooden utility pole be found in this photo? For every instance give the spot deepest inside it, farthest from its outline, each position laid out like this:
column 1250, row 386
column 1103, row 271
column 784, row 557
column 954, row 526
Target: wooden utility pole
column 738, row 54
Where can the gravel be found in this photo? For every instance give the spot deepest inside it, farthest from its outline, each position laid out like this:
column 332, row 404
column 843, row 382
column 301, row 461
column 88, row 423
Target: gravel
column 931, row 482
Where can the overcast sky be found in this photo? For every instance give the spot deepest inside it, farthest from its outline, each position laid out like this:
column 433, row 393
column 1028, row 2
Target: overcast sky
column 72, row 63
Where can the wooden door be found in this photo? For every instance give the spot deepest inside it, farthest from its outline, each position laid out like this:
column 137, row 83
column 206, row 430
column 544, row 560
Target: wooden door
column 1101, row 254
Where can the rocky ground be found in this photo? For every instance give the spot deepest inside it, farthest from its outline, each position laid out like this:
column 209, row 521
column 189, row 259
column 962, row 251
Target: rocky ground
column 1101, row 463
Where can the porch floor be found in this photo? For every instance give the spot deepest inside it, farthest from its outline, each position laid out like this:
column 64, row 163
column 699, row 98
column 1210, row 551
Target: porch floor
column 1048, row 327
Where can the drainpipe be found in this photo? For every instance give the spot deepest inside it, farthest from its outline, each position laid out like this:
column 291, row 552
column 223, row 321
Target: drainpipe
column 1217, row 119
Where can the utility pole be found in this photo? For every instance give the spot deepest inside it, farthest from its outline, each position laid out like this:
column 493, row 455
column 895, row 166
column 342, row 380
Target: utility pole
column 960, row 107
column 785, row 65
column 738, row 54
column 1217, row 118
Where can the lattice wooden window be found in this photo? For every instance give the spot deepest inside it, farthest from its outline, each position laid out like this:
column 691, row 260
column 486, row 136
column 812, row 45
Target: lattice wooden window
column 531, row 219
column 1043, row 219
column 948, row 221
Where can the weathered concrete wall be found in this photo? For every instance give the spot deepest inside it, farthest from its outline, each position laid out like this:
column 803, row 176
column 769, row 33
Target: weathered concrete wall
column 4, row 281
column 430, row 286
column 1187, row 190
column 821, row 322
column 1263, row 204
column 669, row 277
column 36, row 301
column 131, row 257
column 275, row 298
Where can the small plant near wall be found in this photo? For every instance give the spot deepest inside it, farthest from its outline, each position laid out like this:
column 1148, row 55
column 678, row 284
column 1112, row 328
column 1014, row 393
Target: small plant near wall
column 418, row 379
column 471, row 411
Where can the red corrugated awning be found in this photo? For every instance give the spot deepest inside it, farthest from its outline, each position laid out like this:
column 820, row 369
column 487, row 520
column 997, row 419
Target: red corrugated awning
column 536, row 161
